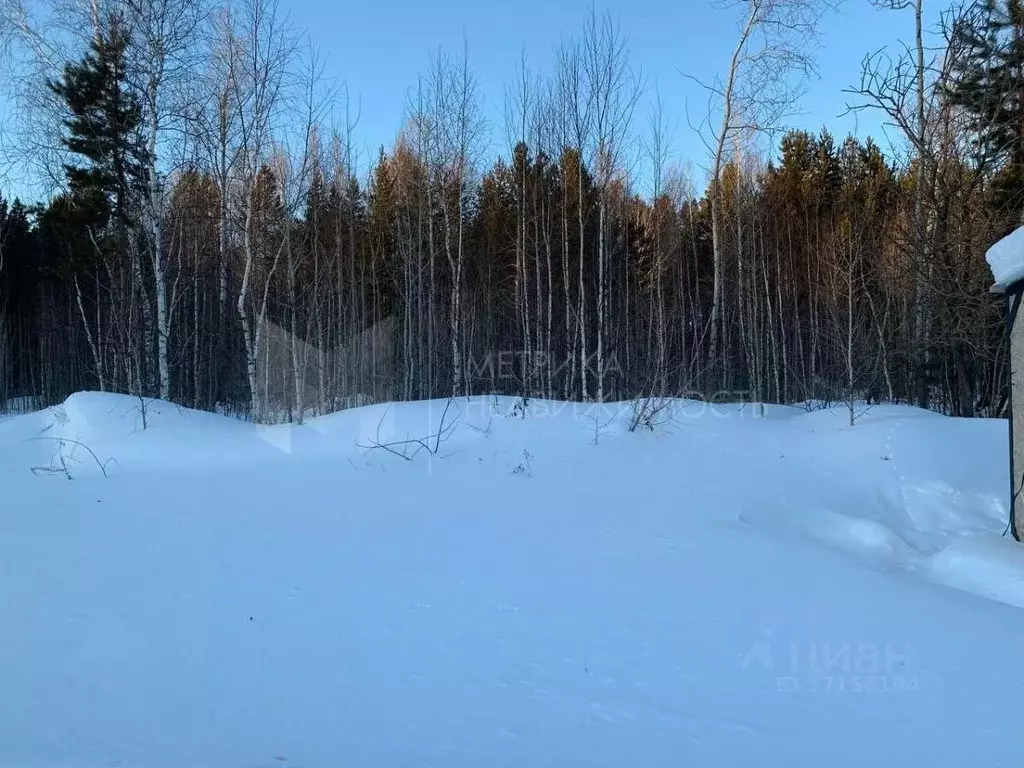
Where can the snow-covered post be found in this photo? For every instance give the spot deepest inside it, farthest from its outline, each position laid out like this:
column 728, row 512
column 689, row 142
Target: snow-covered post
column 1006, row 260
column 5, row 352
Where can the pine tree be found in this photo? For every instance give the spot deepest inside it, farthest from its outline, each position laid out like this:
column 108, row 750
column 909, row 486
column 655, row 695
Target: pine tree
column 989, row 85
column 104, row 122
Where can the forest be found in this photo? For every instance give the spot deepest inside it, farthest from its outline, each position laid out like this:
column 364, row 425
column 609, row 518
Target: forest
column 212, row 240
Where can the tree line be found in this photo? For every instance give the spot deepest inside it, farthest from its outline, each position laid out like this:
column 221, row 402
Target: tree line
column 212, row 241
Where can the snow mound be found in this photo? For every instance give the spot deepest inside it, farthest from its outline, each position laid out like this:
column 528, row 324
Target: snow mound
column 932, row 514
column 988, row 566
column 1006, row 260
column 125, row 433
column 868, row 539
column 106, row 416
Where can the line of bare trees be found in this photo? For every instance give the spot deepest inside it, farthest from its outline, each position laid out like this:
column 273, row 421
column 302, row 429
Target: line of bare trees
column 260, row 269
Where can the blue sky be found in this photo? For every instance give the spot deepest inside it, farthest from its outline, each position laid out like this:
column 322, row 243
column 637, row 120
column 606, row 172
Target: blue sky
column 377, row 49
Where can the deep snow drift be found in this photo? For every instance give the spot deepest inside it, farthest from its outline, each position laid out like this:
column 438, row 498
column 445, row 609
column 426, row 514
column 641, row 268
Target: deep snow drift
column 728, row 591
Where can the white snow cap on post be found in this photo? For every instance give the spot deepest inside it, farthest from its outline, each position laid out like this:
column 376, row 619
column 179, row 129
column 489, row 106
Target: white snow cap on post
column 1006, row 260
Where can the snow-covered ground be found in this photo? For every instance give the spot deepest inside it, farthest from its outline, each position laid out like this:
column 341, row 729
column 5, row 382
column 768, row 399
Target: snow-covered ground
column 728, row 591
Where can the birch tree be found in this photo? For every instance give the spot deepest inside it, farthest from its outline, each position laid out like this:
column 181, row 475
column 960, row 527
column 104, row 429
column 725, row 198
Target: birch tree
column 766, row 73
column 576, row 112
column 219, row 136
column 165, row 64
column 614, row 91
column 266, row 52
column 295, row 160
column 457, row 133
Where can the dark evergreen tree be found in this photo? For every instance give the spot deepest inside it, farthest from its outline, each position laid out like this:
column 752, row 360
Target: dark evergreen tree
column 103, row 127
column 989, row 84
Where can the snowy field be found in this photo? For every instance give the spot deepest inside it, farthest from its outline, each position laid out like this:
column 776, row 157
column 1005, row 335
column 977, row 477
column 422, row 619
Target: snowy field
column 729, row 591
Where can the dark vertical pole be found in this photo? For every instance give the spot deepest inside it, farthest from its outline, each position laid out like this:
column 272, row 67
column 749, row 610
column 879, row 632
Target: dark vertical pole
column 1012, row 307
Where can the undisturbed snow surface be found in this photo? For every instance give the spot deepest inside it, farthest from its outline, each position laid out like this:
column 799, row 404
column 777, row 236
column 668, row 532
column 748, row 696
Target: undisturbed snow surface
column 776, row 591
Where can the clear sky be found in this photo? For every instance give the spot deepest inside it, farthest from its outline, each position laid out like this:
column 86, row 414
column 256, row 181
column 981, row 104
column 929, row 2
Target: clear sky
column 377, row 48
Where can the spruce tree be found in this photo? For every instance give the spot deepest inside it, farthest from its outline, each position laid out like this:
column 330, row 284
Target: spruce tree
column 103, row 125
column 988, row 84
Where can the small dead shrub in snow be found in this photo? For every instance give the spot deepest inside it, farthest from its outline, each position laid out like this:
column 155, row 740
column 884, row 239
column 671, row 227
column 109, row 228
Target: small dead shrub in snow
column 64, row 456
column 67, row 452
column 144, row 412
column 484, row 430
column 60, row 416
column 519, row 409
column 524, row 468
column 651, row 413
column 601, row 420
column 411, row 447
